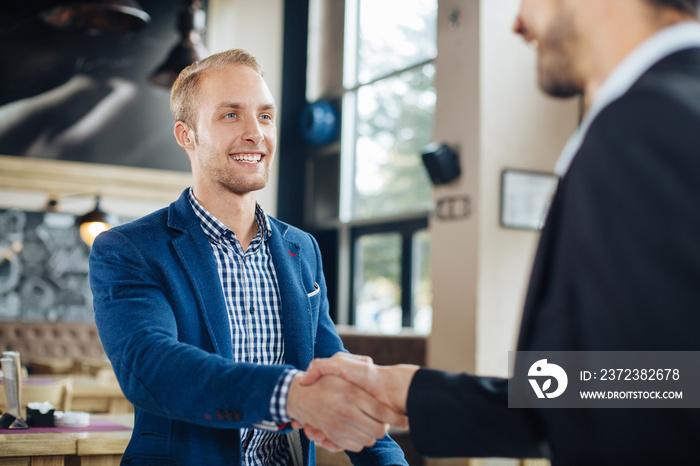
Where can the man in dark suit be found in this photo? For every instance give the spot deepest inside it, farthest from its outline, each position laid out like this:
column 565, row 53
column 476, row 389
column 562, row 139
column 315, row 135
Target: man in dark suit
column 209, row 309
column 618, row 264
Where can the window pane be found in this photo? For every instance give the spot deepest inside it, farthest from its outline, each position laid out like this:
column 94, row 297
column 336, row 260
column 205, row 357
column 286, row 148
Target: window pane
column 394, row 123
column 378, row 283
column 395, row 34
column 422, row 284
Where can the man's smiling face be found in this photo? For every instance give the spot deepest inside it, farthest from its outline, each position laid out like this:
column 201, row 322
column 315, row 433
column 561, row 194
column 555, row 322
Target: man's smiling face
column 236, row 135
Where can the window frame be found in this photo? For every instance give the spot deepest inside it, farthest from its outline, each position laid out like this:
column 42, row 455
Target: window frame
column 407, row 229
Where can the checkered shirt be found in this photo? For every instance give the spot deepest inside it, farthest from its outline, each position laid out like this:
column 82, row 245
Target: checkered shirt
column 252, row 299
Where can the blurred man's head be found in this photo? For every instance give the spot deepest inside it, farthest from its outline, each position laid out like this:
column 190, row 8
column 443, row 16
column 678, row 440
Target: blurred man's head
column 579, row 42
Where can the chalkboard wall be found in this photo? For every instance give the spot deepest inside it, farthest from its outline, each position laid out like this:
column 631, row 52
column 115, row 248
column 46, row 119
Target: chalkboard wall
column 43, row 268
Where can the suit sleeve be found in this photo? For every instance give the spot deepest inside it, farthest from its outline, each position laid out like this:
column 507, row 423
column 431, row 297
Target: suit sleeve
column 141, row 333
column 461, row 415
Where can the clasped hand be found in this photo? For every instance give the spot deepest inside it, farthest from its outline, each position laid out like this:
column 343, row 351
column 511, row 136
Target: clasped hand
column 347, row 403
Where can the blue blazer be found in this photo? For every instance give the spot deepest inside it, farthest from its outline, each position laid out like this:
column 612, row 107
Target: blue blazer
column 162, row 319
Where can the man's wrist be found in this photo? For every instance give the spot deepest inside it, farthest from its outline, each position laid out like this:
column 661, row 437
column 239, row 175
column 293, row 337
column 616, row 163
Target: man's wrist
column 278, row 402
column 398, row 380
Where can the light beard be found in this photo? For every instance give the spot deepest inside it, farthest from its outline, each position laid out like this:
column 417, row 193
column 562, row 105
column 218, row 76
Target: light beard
column 240, row 185
column 228, row 179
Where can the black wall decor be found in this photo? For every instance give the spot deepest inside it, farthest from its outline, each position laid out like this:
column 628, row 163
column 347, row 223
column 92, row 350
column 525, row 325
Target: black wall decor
column 86, row 97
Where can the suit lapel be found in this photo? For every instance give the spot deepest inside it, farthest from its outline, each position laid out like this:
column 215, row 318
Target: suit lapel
column 541, row 274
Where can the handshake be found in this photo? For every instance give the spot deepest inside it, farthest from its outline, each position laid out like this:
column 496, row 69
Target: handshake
column 347, row 403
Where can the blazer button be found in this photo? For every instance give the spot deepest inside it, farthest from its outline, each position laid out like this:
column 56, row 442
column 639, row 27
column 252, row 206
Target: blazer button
column 237, row 416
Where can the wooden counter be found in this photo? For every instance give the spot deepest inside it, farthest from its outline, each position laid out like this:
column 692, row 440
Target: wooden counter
column 104, row 448
column 33, row 445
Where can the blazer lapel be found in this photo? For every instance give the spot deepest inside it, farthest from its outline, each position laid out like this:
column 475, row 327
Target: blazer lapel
column 194, row 251
column 296, row 318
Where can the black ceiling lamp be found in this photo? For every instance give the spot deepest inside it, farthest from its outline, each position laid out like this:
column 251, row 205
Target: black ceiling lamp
column 97, row 16
column 94, row 222
column 189, row 48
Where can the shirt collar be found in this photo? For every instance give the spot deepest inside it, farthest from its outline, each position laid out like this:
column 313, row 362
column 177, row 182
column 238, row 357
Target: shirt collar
column 215, row 229
column 662, row 44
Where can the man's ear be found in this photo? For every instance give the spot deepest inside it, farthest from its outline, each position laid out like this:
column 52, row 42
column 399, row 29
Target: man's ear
column 184, row 135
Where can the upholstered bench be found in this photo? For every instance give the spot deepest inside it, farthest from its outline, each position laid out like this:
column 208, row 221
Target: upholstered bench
column 53, row 346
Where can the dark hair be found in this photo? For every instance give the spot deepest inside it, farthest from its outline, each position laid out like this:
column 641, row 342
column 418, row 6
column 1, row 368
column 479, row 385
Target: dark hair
column 685, row 6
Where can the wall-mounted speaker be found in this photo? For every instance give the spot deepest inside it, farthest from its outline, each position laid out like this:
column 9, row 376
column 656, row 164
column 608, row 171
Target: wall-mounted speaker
column 441, row 162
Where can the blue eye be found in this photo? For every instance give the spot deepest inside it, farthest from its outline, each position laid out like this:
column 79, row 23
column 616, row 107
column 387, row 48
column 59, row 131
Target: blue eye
column 230, row 115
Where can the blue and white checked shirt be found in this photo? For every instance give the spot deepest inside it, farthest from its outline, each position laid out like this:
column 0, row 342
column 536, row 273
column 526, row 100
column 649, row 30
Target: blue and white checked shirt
column 252, row 299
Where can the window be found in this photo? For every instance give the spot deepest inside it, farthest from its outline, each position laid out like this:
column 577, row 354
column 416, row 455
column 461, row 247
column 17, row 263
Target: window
column 391, row 276
column 379, row 214
column 388, row 105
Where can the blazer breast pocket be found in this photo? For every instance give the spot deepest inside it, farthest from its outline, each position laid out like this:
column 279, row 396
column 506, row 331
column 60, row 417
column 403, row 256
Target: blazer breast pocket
column 317, row 290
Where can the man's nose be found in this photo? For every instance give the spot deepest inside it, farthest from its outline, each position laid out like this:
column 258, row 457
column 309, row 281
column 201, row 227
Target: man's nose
column 518, row 25
column 253, row 132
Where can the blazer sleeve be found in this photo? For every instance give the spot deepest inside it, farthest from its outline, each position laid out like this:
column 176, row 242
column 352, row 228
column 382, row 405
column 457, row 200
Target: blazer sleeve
column 462, row 415
column 143, row 310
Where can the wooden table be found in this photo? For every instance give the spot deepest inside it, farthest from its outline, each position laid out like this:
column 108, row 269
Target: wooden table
column 98, row 396
column 103, row 448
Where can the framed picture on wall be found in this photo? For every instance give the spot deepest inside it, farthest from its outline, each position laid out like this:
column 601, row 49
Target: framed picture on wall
column 525, row 198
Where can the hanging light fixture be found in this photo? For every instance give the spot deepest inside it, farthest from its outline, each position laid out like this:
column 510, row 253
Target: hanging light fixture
column 97, row 16
column 188, row 50
column 89, row 225
column 94, row 222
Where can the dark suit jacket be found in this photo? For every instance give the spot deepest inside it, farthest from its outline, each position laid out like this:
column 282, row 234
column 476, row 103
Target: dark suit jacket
column 617, row 268
column 161, row 315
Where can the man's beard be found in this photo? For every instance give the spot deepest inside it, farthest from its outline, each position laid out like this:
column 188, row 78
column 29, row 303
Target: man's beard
column 229, row 180
column 236, row 184
column 556, row 64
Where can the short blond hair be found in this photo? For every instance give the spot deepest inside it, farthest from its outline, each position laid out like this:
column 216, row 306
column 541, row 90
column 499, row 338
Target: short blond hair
column 184, row 98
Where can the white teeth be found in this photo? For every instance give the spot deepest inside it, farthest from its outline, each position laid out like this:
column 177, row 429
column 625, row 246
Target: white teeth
column 251, row 158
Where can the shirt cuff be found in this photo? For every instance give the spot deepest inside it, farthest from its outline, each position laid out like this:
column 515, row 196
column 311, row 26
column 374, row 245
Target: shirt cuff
column 278, row 402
